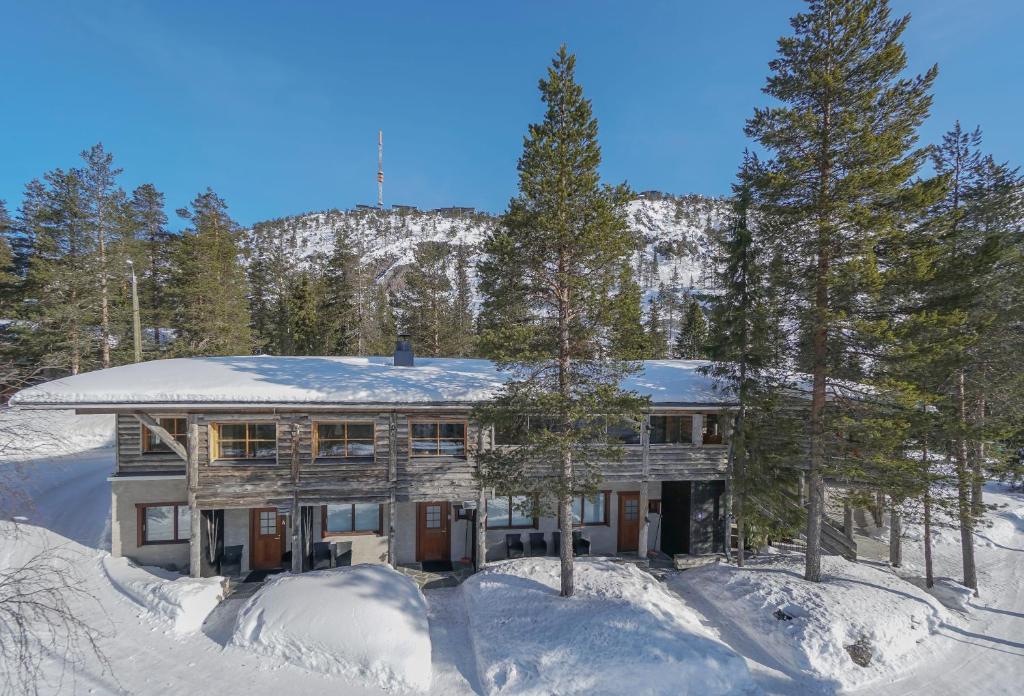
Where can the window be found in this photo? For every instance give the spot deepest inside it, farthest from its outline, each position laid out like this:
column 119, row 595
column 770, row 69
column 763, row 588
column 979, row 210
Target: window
column 510, row 511
column 246, row 441
column 352, row 518
column 268, row 522
column 344, row 440
column 177, row 427
column 594, row 510
column 164, row 523
column 625, row 433
column 671, row 430
column 438, row 439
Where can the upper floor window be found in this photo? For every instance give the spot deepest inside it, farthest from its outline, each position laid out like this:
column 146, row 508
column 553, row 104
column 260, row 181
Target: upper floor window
column 671, row 430
column 177, row 427
column 349, row 440
column 713, row 429
column 245, row 441
column 438, row 439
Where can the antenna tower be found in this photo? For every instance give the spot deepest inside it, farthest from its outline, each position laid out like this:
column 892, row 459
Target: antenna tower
column 380, row 169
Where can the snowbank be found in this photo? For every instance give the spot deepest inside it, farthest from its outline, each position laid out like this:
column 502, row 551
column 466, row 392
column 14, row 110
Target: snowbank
column 365, row 621
column 818, row 629
column 184, row 602
column 622, row 631
column 29, row 434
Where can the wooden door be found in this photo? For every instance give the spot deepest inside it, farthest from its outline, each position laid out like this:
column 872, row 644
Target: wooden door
column 433, row 532
column 266, row 549
column 629, row 521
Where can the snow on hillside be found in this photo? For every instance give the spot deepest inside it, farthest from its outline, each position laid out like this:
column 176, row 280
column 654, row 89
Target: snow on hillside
column 675, row 248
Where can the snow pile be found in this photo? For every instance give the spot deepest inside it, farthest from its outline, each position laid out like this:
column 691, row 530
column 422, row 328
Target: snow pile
column 856, row 614
column 621, row 631
column 184, row 602
column 365, row 621
column 1003, row 527
column 27, row 434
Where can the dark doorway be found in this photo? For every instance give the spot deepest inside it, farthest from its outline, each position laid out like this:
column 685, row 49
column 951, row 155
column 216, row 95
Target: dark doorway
column 675, row 517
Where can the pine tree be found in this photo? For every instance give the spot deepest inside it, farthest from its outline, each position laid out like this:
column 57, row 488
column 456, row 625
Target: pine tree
column 209, row 285
column 104, row 205
column 838, row 187
column 693, row 333
column 154, row 265
column 8, row 277
column 557, row 255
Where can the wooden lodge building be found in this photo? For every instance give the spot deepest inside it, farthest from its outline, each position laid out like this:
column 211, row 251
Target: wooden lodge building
column 275, row 453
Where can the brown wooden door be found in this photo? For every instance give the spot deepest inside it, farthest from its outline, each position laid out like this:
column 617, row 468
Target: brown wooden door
column 629, row 521
column 267, row 538
column 433, row 532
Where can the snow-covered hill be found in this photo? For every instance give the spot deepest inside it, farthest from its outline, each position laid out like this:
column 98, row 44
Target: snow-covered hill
column 674, row 244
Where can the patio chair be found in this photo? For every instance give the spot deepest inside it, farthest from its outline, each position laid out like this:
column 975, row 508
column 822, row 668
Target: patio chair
column 231, row 561
column 556, row 543
column 538, row 547
column 322, row 557
column 580, row 545
column 513, row 546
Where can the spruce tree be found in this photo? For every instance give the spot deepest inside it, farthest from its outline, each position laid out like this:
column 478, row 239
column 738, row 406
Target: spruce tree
column 209, row 285
column 693, row 333
column 304, row 322
column 628, row 339
column 463, row 340
column 426, row 306
column 837, row 187
column 656, row 339
column 8, row 277
column 557, row 255
column 338, row 311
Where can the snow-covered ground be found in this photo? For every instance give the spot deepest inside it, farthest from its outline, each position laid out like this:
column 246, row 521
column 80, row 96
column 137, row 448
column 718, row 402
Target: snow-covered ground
column 508, row 623
column 367, row 622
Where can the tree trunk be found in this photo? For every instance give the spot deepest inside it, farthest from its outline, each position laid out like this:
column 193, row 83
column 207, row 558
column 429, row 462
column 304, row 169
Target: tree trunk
column 964, row 489
column 565, row 392
column 740, row 542
column 565, row 552
column 978, row 464
column 104, row 303
column 929, row 578
column 895, row 533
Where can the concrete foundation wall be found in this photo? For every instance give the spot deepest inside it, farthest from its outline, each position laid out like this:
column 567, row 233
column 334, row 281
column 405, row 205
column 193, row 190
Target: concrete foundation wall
column 125, row 494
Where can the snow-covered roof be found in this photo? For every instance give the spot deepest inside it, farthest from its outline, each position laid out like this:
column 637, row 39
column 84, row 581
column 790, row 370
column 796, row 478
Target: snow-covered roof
column 278, row 380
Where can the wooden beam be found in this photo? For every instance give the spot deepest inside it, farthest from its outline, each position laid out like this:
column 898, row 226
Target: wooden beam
column 645, row 475
column 164, row 436
column 195, row 539
column 480, row 518
column 392, row 486
column 298, row 543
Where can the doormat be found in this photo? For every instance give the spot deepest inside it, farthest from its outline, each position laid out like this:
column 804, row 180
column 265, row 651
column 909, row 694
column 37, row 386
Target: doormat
column 261, row 575
column 436, row 566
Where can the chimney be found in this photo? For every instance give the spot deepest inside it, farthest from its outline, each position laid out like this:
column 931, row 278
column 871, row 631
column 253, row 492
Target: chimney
column 403, row 351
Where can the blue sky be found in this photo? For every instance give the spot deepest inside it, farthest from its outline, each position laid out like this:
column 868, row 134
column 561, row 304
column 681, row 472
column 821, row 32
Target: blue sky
column 276, row 105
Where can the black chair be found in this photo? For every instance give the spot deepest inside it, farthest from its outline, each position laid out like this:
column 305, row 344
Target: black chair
column 322, row 557
column 513, row 546
column 538, row 547
column 580, row 545
column 342, row 554
column 231, row 560
column 556, row 543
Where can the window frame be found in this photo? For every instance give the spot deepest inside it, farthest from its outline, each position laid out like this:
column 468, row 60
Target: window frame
column 344, row 422
column 439, row 422
column 148, row 447
column 140, row 513
column 607, row 510
column 534, row 525
column 217, row 440
column 684, row 417
column 324, row 533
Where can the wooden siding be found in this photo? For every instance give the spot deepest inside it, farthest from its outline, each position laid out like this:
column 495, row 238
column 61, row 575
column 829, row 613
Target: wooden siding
column 130, row 457
column 297, row 474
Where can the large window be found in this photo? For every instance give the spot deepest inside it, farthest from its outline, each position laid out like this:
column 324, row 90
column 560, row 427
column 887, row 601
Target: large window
column 177, row 427
column 510, row 511
column 348, row 440
column 671, row 430
column 246, row 441
column 625, row 433
column 164, row 523
column 352, row 518
column 438, row 439
column 590, row 511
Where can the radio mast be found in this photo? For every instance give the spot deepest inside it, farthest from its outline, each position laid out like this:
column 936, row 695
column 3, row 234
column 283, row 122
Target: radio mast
column 380, row 169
